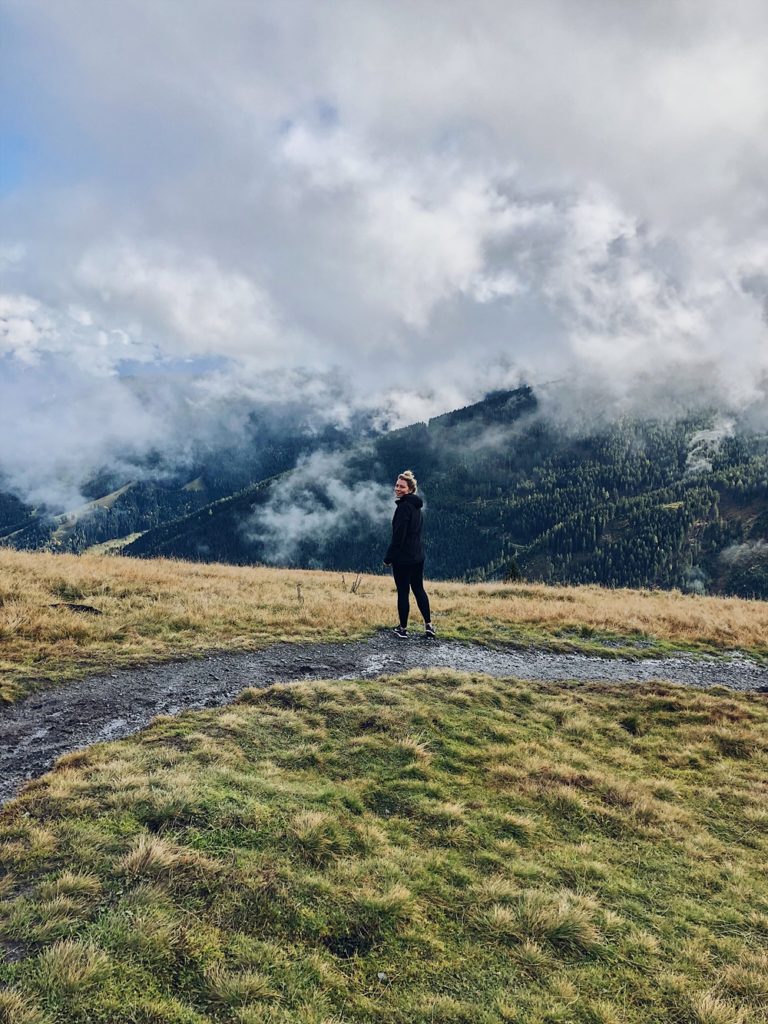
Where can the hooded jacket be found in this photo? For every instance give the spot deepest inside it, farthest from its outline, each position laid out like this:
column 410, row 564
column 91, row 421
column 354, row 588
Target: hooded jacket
column 406, row 547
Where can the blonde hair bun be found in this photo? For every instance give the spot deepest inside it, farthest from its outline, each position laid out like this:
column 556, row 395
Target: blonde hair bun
column 410, row 479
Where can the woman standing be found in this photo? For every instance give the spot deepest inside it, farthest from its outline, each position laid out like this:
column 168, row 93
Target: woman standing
column 406, row 555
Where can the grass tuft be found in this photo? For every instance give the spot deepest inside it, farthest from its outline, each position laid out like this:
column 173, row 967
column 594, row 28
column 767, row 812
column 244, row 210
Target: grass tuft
column 237, row 989
column 157, row 857
column 708, row 1008
column 445, row 1009
column 531, row 958
column 603, row 1012
column 71, row 968
column 562, row 920
column 16, row 1008
column 318, row 836
column 519, row 827
column 7, row 884
column 739, row 743
column 71, row 883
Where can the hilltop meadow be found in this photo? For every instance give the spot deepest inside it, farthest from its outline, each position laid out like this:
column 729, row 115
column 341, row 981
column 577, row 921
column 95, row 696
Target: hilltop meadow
column 62, row 616
column 427, row 848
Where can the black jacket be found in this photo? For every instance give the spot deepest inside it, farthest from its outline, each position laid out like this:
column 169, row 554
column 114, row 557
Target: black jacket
column 406, row 548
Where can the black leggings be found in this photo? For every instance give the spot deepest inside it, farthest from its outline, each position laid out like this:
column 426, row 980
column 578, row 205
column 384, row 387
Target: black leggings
column 410, row 577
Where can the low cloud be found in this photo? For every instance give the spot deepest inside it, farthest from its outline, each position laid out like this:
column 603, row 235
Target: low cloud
column 704, row 445
column 60, row 427
column 63, row 426
column 315, row 506
column 752, row 552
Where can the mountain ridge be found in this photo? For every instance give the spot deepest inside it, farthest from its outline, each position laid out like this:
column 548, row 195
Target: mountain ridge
column 509, row 494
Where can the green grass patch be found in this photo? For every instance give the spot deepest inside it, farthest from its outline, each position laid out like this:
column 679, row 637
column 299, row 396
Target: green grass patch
column 586, row 639
column 434, row 847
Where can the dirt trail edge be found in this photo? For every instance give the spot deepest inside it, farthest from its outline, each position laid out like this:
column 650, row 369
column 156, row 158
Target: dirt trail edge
column 39, row 729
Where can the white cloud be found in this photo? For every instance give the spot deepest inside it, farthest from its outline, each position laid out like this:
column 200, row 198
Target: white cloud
column 410, row 235
column 23, row 325
column 429, row 198
column 194, row 306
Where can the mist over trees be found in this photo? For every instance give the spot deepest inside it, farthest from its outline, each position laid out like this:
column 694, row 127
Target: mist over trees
column 509, row 494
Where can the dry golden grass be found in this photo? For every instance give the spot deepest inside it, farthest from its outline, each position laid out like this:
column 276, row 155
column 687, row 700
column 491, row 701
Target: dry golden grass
column 163, row 609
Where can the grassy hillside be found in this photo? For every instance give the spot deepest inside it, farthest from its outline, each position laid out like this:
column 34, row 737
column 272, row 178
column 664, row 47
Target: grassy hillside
column 427, row 849
column 67, row 615
column 112, row 513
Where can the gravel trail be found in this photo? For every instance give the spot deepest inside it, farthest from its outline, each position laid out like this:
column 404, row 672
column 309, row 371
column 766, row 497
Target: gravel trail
column 39, row 729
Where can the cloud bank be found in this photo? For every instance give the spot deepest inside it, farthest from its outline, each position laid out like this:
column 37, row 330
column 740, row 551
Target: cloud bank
column 425, row 200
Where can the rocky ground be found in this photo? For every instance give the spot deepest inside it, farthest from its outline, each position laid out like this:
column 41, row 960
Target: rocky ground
column 39, row 729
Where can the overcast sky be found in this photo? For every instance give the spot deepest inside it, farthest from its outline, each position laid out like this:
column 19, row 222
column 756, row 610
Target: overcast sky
column 419, row 199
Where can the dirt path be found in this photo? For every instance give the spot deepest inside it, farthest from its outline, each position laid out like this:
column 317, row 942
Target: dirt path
column 39, row 729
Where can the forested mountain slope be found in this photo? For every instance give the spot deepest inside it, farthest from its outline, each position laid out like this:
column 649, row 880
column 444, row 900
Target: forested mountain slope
column 117, row 508
column 649, row 504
